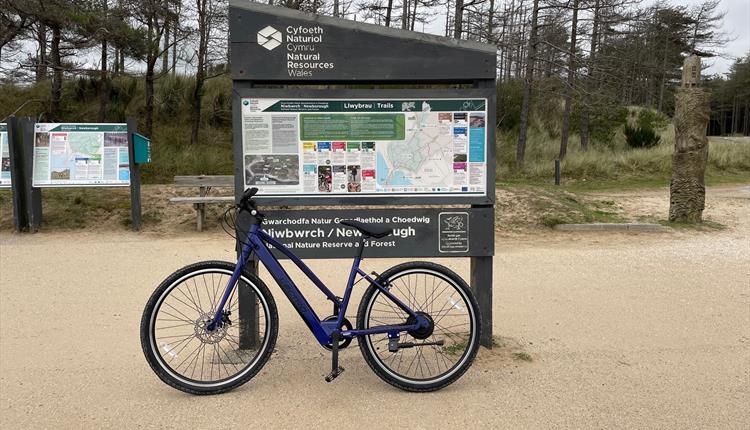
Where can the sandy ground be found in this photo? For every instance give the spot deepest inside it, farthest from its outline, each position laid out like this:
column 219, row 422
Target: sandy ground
column 625, row 331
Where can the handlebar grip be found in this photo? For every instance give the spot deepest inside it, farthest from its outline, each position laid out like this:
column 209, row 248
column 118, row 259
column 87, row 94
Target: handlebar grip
column 248, row 195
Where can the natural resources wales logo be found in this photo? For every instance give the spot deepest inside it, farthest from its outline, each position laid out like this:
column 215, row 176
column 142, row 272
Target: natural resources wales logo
column 269, row 38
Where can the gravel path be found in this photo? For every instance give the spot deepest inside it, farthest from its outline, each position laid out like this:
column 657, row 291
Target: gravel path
column 644, row 330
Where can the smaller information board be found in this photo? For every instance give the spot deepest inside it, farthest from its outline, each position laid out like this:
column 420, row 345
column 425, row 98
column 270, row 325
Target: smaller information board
column 81, row 155
column 5, row 156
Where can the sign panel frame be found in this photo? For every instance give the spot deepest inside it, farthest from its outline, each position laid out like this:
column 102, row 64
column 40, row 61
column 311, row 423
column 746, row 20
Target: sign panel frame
column 245, row 90
column 122, row 155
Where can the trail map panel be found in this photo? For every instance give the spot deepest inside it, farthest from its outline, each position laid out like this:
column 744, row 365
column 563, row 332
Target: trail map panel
column 365, row 147
column 4, row 157
column 81, row 155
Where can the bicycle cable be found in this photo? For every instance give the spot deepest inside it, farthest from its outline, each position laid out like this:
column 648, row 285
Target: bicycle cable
column 228, row 222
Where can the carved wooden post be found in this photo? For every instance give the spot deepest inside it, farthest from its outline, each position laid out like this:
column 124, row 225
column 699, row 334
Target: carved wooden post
column 692, row 106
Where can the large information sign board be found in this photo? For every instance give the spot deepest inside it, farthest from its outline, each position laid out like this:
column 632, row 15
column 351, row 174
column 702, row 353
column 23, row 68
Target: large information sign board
column 4, row 157
column 81, row 155
column 365, row 147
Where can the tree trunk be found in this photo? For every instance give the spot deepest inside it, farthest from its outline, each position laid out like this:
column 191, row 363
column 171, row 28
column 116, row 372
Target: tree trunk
column 336, row 8
column 414, row 15
column 509, row 59
column 589, row 78
column 447, row 18
column 200, row 79
column 663, row 82
column 165, row 55
column 116, row 62
column 57, row 74
column 571, row 83
column 174, row 45
column 200, row 74
column 528, row 83
column 149, row 99
column 103, row 84
column 388, row 11
column 458, row 19
column 687, row 191
column 153, row 45
column 520, row 49
column 41, row 66
column 405, row 14
column 490, row 18
column 103, row 78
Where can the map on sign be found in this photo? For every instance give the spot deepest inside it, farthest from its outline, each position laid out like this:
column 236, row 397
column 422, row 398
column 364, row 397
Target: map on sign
column 365, row 147
column 272, row 169
column 4, row 157
column 80, row 155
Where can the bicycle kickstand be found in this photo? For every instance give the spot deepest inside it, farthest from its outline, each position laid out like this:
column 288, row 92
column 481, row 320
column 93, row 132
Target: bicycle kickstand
column 336, row 370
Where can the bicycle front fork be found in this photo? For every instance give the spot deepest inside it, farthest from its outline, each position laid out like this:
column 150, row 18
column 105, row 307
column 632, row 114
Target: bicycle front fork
column 219, row 317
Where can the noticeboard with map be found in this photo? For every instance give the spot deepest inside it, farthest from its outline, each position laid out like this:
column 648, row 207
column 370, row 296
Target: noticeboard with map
column 360, row 147
column 81, row 155
column 4, row 157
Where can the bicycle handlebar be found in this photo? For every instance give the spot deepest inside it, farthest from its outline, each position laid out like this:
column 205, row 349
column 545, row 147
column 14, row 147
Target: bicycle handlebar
column 247, row 203
column 247, row 198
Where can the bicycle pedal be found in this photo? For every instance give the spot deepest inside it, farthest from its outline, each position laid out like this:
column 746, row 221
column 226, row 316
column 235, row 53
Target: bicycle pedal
column 334, row 374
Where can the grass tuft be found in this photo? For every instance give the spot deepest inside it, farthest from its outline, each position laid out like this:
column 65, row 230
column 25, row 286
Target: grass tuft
column 706, row 225
column 522, row 356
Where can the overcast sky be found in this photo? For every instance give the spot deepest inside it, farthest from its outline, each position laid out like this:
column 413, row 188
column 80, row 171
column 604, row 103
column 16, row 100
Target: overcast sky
column 737, row 27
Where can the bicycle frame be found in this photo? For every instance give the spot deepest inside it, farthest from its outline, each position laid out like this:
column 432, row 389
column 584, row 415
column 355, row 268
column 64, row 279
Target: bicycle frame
column 258, row 241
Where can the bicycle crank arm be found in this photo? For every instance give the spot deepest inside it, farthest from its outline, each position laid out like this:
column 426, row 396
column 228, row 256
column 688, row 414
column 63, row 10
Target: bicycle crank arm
column 336, row 370
column 395, row 346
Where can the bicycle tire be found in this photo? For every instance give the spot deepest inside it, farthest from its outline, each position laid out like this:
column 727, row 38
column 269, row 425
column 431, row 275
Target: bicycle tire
column 370, row 352
column 170, row 375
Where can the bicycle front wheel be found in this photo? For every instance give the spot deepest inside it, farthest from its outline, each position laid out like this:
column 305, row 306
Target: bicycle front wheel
column 450, row 344
column 184, row 353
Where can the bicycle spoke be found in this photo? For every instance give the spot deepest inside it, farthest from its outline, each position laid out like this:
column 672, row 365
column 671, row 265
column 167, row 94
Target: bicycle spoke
column 177, row 318
column 197, row 309
column 208, row 294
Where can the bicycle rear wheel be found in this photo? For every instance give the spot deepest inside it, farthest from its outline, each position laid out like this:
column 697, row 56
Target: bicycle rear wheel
column 188, row 357
column 450, row 344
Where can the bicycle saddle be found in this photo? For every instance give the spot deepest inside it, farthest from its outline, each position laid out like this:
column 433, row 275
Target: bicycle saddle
column 368, row 230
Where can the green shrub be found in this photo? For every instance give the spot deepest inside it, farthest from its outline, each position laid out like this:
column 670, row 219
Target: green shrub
column 604, row 122
column 650, row 118
column 641, row 137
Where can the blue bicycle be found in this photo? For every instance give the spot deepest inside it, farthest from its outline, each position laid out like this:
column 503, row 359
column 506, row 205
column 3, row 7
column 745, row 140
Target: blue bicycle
column 211, row 326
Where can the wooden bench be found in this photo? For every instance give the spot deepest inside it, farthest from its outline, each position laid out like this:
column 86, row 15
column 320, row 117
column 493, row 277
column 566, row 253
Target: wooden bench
column 204, row 184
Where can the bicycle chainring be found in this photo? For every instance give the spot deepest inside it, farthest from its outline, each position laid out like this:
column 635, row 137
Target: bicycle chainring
column 346, row 325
